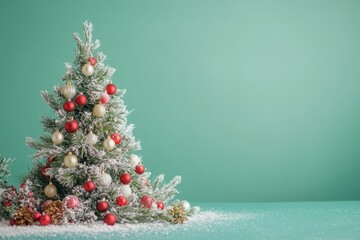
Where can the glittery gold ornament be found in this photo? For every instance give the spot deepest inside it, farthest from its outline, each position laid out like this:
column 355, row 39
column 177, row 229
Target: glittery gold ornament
column 178, row 215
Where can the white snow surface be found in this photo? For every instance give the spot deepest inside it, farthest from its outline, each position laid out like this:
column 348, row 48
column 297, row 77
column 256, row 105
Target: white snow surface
column 203, row 221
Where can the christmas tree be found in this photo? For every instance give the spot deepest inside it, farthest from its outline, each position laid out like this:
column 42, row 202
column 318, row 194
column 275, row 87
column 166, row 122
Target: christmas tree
column 91, row 172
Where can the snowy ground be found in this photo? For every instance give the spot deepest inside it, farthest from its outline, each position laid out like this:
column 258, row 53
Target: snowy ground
column 203, row 222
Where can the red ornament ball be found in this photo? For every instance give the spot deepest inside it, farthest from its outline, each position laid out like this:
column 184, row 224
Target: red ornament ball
column 147, row 201
column 71, row 126
column 36, row 216
column 139, row 169
column 125, row 178
column 111, row 89
column 43, row 171
column 71, row 202
column 89, row 186
column 45, row 219
column 110, row 219
column 92, row 61
column 69, row 106
column 116, row 137
column 12, row 222
column 102, row 206
column 81, row 99
column 105, row 98
column 121, row 201
column 160, row 205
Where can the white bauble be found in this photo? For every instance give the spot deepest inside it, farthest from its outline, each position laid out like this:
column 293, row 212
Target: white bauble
column 184, row 205
column 68, row 90
column 99, row 110
column 125, row 190
column 104, row 180
column 70, row 160
column 87, row 69
column 134, row 159
column 57, row 137
column 91, row 138
column 109, row 144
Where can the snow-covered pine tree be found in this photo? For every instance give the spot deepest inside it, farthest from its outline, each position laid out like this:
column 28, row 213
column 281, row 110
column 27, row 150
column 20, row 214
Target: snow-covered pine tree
column 91, row 172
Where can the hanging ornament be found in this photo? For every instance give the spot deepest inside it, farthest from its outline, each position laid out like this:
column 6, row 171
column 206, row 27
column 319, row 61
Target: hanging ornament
column 134, row 159
column 50, row 190
column 99, row 110
column 160, row 205
column 125, row 178
column 105, row 98
column 71, row 126
column 147, row 201
column 116, row 137
column 110, row 219
column 57, row 137
column 102, row 206
column 71, row 201
column 139, row 169
column 109, row 144
column 92, row 61
column 111, row 89
column 81, row 99
column 121, row 201
column 125, row 190
column 45, row 220
column 91, row 138
column 104, row 180
column 70, row 160
column 68, row 90
column 43, row 171
column 184, row 205
column 87, row 69
column 89, row 185
column 36, row 216
column 69, row 106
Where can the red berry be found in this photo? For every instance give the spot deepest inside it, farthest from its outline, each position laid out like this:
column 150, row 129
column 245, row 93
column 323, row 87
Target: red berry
column 147, row 201
column 89, row 186
column 139, row 169
column 45, row 220
column 7, row 203
column 121, row 201
column 36, row 216
column 81, row 99
column 110, row 219
column 102, row 206
column 69, row 106
column 43, row 171
column 160, row 205
column 92, row 61
column 50, row 159
column 116, row 137
column 71, row 126
column 111, row 89
column 12, row 222
column 125, row 178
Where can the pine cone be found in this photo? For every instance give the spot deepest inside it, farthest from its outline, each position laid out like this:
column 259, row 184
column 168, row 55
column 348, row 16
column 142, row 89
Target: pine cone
column 55, row 210
column 178, row 215
column 24, row 216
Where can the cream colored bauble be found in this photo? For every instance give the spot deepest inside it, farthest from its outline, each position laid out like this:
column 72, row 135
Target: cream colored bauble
column 57, row 137
column 68, row 90
column 104, row 180
column 87, row 69
column 184, row 205
column 134, row 159
column 70, row 160
column 99, row 110
column 125, row 190
column 91, row 138
column 109, row 144
column 50, row 190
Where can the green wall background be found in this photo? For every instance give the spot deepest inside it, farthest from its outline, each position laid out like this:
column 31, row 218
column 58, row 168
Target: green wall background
column 247, row 100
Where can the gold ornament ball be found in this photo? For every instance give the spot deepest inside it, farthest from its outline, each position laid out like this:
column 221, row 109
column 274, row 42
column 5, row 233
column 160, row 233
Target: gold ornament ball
column 70, row 160
column 50, row 190
column 99, row 110
column 87, row 69
column 57, row 137
column 68, row 91
column 91, row 138
column 109, row 144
